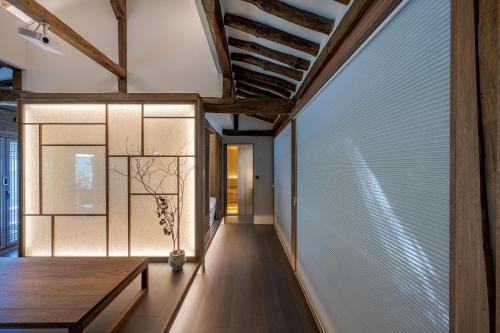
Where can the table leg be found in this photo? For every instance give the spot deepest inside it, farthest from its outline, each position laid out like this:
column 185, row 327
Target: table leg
column 145, row 279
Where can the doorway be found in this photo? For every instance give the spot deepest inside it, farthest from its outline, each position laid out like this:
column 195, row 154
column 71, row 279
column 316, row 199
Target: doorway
column 9, row 202
column 239, row 183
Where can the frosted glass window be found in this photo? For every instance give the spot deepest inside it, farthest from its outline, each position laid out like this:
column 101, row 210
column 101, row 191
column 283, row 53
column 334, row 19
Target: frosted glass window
column 373, row 150
column 169, row 110
column 188, row 217
column 124, row 129
column 80, row 236
column 177, row 136
column 159, row 174
column 31, row 186
column 73, row 134
column 64, row 113
column 38, row 236
column 283, row 186
column 146, row 234
column 73, row 180
column 118, row 206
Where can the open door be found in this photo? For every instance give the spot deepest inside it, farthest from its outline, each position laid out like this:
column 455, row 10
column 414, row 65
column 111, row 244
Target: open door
column 239, row 183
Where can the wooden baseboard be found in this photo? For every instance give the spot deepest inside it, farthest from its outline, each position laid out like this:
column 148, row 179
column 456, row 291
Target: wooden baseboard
column 314, row 313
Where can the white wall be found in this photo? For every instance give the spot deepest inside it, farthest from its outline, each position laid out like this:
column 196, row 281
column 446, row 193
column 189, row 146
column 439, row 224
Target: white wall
column 12, row 47
column 263, row 164
column 373, row 151
column 167, row 49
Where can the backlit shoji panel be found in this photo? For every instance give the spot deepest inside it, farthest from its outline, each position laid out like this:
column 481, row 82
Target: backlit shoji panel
column 80, row 162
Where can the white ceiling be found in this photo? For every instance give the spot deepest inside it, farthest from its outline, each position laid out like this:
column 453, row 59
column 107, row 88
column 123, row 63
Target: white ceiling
column 327, row 8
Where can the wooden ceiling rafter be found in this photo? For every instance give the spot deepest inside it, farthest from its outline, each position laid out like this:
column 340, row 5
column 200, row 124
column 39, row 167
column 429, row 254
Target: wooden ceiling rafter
column 295, row 15
column 262, row 85
column 272, row 80
column 245, row 94
column 285, row 58
column 261, row 30
column 40, row 14
column 268, row 65
column 255, row 91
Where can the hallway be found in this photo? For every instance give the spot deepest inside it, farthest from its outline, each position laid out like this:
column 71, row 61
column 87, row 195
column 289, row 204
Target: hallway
column 248, row 287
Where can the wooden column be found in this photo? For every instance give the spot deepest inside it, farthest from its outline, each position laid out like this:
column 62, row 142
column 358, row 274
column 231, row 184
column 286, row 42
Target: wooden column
column 473, row 154
column 120, row 10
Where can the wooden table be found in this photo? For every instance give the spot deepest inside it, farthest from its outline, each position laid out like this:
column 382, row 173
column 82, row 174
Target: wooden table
column 64, row 292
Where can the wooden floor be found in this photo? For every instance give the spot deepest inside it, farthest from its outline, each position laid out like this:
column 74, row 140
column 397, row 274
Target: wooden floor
column 248, row 287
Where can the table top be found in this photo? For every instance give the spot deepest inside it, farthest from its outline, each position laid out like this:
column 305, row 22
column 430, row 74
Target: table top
column 60, row 292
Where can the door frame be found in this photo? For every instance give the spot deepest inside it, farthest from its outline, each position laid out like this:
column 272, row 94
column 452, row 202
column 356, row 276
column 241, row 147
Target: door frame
column 224, row 176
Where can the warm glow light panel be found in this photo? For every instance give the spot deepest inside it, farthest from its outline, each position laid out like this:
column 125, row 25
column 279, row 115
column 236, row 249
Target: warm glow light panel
column 93, row 174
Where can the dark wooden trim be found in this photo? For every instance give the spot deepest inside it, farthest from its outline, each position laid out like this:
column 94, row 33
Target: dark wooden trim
column 6, row 83
column 295, row 15
column 265, row 31
column 120, row 10
column 247, row 105
column 255, row 91
column 471, row 276
column 58, row 27
column 9, row 95
column 98, row 98
column 248, row 133
column 360, row 21
column 17, row 79
column 236, row 122
column 259, row 84
column 269, row 79
column 267, row 65
column 288, row 59
column 293, row 240
column 213, row 13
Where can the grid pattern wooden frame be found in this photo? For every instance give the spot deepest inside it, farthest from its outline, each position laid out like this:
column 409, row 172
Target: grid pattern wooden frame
column 118, row 98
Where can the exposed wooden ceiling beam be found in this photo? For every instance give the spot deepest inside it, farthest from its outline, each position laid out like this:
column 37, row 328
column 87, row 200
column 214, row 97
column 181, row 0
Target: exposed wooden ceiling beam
column 256, row 91
column 213, row 13
column 259, row 84
column 295, row 15
column 248, row 133
column 265, row 31
column 247, row 105
column 39, row 13
column 120, row 10
column 268, row 66
column 358, row 24
column 273, row 80
column 261, row 117
column 290, row 60
column 244, row 94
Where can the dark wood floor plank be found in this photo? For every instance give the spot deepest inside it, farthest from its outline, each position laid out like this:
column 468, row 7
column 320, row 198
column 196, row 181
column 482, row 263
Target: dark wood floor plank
column 249, row 286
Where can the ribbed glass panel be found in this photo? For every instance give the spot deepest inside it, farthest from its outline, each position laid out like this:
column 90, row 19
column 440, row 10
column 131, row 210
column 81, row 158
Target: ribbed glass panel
column 283, row 186
column 373, row 181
